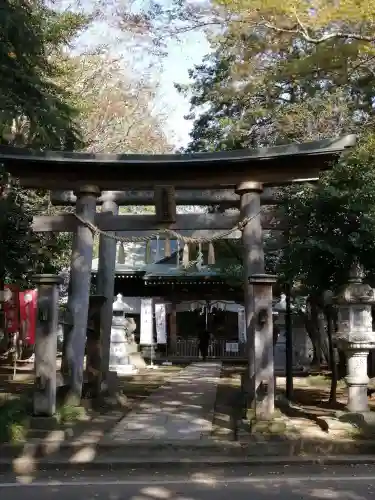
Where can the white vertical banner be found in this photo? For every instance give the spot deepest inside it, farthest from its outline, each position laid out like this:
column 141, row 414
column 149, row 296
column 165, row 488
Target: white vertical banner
column 241, row 325
column 160, row 322
column 147, row 324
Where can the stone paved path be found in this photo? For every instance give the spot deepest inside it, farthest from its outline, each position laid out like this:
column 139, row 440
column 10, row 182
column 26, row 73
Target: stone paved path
column 180, row 410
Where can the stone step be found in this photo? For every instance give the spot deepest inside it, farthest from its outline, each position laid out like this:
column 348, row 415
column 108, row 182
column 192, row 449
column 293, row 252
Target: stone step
column 22, row 459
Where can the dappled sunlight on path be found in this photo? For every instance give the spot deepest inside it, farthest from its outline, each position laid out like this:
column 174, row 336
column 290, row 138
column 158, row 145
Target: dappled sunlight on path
column 180, row 410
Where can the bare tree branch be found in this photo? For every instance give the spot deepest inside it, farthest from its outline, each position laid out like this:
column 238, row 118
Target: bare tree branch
column 300, row 30
column 117, row 112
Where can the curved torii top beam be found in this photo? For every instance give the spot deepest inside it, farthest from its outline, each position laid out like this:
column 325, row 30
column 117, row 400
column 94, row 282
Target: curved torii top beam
column 271, row 166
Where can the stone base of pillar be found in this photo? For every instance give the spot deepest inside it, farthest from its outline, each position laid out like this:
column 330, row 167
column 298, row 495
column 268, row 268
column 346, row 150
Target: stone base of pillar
column 357, row 379
column 44, row 423
column 73, row 399
column 265, row 402
column 357, row 397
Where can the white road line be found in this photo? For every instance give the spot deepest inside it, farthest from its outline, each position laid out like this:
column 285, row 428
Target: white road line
column 193, row 481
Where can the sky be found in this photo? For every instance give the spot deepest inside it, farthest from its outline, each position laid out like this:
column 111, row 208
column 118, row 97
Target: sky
column 181, row 55
column 180, row 59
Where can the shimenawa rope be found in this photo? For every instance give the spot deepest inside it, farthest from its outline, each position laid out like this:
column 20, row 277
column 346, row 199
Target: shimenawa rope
column 169, row 233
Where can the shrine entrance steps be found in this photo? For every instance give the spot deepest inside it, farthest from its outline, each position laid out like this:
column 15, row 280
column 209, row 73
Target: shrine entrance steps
column 181, row 410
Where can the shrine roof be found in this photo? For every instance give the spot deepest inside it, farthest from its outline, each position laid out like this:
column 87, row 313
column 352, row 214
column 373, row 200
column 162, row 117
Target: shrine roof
column 70, row 170
column 162, row 271
column 134, row 264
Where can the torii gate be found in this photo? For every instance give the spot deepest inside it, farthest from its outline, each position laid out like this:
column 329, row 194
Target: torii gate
column 247, row 173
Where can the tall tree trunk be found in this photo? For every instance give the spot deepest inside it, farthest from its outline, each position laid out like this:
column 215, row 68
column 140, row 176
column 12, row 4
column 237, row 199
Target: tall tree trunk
column 67, row 328
column 288, row 344
column 315, row 327
column 341, row 366
column 332, row 360
column 371, row 357
column 313, row 333
column 3, row 341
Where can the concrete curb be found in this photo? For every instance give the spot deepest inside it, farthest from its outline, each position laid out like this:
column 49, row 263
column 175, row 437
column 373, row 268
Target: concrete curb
column 108, row 445
column 60, row 452
column 64, row 440
column 109, row 455
column 26, row 466
column 253, row 448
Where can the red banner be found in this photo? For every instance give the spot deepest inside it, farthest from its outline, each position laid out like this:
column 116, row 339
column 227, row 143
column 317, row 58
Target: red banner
column 28, row 306
column 11, row 308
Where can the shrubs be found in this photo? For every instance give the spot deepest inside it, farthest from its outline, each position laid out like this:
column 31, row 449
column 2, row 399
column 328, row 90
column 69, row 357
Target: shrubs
column 69, row 414
column 15, row 414
column 14, row 419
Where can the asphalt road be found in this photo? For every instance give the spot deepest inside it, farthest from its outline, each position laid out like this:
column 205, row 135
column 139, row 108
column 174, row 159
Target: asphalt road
column 242, row 483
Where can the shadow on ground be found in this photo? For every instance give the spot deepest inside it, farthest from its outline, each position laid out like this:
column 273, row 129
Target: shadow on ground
column 229, row 403
column 230, row 436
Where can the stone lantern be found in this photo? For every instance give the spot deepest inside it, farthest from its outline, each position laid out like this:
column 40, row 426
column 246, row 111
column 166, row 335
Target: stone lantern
column 121, row 341
column 355, row 336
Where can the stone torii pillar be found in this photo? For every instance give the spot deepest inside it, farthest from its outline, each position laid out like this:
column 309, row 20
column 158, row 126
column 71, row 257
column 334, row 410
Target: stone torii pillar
column 78, row 301
column 106, row 282
column 253, row 262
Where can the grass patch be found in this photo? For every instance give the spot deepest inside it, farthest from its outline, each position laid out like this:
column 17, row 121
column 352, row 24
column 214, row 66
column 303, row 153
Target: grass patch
column 323, row 381
column 69, row 414
column 16, row 403
column 16, row 412
column 14, row 419
column 319, row 380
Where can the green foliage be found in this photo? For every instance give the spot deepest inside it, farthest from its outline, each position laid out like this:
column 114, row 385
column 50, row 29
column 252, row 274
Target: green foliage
column 315, row 22
column 15, row 415
column 60, row 27
column 15, row 221
column 34, row 112
column 331, row 223
column 267, row 82
column 14, row 419
column 68, row 414
column 51, row 252
column 22, row 252
column 279, row 74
